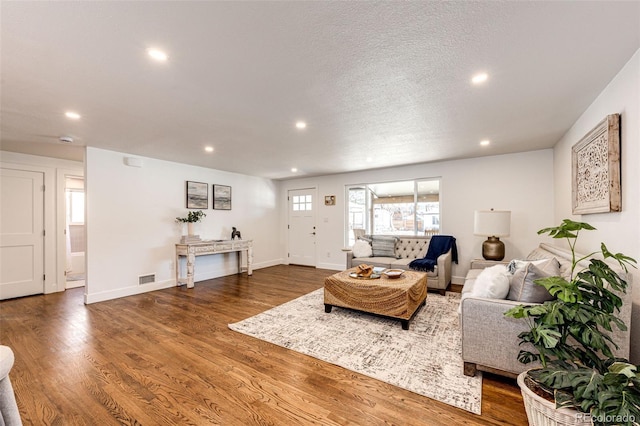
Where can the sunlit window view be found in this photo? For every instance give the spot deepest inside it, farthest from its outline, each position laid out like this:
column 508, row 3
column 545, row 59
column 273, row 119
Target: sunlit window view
column 75, row 206
column 394, row 208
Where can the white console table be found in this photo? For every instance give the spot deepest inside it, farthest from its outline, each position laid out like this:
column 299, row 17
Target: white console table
column 205, row 248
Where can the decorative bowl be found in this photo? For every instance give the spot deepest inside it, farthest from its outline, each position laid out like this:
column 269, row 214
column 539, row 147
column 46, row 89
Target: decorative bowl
column 393, row 273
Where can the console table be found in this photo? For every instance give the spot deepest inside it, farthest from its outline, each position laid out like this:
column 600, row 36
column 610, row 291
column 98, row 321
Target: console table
column 205, row 248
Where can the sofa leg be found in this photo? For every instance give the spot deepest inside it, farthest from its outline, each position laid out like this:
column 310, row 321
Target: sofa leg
column 470, row 369
column 442, row 292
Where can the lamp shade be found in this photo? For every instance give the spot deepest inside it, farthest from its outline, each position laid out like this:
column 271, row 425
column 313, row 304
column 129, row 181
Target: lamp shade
column 492, row 223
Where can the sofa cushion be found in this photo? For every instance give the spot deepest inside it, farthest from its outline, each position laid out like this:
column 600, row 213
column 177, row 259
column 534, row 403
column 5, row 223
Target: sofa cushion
column 361, row 248
column 565, row 263
column 384, row 246
column 412, row 248
column 522, row 287
column 492, row 283
column 383, row 262
column 516, row 264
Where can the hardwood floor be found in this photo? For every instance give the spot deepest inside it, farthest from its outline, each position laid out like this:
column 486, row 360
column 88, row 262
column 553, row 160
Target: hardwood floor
column 167, row 357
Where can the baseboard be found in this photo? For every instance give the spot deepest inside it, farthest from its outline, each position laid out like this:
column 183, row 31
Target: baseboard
column 332, row 266
column 127, row 291
column 457, row 280
column 267, row 264
column 130, row 291
column 223, row 272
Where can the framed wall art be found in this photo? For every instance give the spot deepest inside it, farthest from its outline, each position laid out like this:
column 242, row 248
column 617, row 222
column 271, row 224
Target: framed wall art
column 329, row 200
column 596, row 169
column 221, row 197
column 197, row 195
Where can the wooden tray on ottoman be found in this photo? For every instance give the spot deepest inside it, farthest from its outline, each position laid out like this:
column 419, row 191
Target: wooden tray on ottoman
column 392, row 297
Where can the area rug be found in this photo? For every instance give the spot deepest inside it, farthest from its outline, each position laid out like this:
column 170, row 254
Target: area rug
column 426, row 359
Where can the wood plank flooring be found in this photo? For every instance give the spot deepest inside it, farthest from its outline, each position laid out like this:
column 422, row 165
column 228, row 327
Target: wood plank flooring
column 167, row 357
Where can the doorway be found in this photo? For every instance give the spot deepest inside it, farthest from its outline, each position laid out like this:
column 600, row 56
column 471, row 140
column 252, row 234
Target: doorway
column 75, row 231
column 21, row 233
column 302, row 226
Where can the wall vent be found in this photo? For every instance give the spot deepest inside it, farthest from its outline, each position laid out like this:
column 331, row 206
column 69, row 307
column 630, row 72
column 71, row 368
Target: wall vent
column 146, row 279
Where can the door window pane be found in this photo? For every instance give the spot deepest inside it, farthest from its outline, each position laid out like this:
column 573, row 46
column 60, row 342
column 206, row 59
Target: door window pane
column 302, row 202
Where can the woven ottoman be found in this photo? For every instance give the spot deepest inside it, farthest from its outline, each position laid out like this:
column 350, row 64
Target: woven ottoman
column 391, row 297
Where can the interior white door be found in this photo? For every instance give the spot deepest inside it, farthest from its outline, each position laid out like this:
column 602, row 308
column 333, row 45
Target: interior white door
column 302, row 227
column 21, row 233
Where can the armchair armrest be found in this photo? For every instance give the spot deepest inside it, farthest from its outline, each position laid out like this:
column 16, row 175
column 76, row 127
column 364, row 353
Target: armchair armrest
column 349, row 259
column 444, row 271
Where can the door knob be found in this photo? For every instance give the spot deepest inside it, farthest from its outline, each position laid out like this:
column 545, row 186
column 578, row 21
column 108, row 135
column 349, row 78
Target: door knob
column 313, row 233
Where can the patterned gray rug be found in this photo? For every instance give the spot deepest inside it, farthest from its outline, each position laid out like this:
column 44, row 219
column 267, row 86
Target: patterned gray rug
column 426, row 359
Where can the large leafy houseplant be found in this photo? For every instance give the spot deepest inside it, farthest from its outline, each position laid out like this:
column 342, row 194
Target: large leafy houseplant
column 571, row 335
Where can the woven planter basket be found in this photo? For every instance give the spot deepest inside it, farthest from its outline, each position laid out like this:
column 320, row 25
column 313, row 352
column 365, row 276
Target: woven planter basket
column 541, row 412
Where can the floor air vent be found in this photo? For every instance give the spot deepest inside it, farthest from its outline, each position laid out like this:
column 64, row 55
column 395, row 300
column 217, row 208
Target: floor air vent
column 146, row 279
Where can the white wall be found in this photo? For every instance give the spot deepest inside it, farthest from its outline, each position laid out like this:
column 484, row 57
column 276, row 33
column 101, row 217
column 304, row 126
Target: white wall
column 131, row 229
column 522, row 183
column 53, row 170
column 620, row 231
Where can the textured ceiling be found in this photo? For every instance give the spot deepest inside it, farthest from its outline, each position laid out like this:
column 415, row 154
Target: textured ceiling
column 379, row 84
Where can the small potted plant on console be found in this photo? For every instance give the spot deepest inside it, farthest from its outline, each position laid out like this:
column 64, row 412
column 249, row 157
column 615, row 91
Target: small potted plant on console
column 192, row 217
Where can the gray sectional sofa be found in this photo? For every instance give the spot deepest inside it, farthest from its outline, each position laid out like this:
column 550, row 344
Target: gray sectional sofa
column 490, row 340
column 408, row 248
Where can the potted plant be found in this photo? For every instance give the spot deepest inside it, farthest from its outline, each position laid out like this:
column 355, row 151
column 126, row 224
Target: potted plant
column 192, row 217
column 571, row 337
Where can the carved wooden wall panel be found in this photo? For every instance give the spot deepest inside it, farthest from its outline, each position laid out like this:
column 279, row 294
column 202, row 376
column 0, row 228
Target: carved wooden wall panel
column 596, row 169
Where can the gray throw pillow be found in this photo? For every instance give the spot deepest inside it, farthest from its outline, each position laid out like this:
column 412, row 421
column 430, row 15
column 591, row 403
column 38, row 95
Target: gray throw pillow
column 384, row 246
column 522, row 287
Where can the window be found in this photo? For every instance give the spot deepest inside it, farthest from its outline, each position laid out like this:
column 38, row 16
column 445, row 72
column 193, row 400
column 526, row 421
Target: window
column 301, row 202
column 75, row 206
column 409, row 207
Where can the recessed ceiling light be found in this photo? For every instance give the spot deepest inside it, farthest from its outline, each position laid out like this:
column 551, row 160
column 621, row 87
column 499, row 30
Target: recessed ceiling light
column 72, row 115
column 294, row 169
column 369, row 159
column 485, row 142
column 480, row 78
column 158, row 55
column 301, row 125
column 208, row 148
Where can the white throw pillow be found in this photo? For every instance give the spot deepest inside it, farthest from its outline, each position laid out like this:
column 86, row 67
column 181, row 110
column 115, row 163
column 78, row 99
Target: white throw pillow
column 516, row 264
column 492, row 283
column 362, row 249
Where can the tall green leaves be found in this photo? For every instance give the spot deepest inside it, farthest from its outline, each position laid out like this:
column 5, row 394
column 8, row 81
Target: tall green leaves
column 571, row 335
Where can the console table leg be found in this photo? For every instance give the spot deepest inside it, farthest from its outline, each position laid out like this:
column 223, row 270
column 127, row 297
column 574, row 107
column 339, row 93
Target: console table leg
column 249, row 261
column 177, row 266
column 191, row 260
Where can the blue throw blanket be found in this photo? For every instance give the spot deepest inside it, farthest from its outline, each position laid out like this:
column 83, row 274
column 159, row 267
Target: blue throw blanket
column 439, row 244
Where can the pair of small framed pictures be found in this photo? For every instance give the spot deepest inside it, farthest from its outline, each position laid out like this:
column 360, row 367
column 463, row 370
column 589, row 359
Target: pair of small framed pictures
column 198, row 196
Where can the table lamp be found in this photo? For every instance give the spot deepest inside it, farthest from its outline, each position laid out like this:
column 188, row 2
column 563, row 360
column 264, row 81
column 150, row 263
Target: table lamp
column 492, row 224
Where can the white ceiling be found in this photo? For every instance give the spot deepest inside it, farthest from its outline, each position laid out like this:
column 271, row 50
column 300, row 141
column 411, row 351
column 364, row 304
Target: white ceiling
column 379, row 83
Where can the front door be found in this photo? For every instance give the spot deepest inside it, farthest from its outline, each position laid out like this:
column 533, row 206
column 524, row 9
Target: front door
column 21, row 233
column 302, row 227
